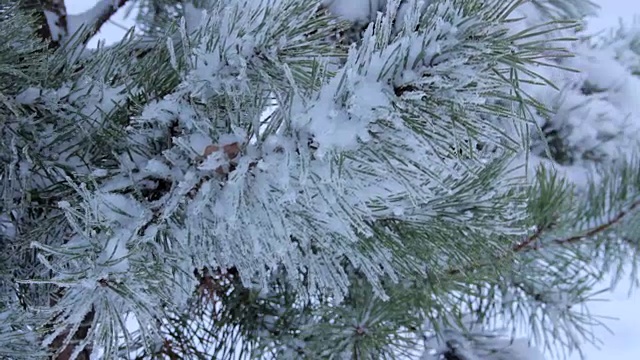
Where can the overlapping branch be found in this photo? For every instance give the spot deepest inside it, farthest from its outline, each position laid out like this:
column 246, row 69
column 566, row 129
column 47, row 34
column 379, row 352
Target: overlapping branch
column 56, row 26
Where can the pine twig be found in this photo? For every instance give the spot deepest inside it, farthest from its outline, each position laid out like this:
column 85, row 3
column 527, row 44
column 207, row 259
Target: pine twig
column 524, row 245
column 603, row 227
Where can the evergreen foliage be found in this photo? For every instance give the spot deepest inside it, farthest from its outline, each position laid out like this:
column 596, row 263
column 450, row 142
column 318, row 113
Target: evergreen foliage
column 303, row 179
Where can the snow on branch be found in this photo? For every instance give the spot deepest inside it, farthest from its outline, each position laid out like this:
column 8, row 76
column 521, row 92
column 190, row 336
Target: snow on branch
column 55, row 12
column 62, row 26
column 94, row 18
column 470, row 340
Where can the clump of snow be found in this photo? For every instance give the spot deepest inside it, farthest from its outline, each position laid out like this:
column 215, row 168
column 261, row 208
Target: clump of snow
column 120, row 209
column 158, row 167
column 29, row 96
column 595, row 112
column 7, row 229
column 470, row 341
column 355, row 10
column 192, row 17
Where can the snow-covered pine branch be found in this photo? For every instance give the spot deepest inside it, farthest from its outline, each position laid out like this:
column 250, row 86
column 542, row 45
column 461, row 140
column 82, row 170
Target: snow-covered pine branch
column 380, row 193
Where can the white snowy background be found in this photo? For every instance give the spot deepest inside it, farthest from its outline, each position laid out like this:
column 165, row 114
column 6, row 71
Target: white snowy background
column 622, row 342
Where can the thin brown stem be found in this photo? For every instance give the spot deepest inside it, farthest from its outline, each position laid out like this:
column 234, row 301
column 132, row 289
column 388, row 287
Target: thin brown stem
column 531, row 239
column 525, row 244
column 603, row 227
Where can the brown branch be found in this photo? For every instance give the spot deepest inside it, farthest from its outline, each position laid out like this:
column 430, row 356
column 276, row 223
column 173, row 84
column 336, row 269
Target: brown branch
column 61, row 347
column 603, row 227
column 55, row 12
column 94, row 18
column 65, row 350
column 55, row 26
column 46, row 13
column 518, row 247
column 524, row 245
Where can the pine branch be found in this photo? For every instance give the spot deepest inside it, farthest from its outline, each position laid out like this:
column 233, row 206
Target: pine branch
column 601, row 228
column 531, row 239
column 64, row 345
column 525, row 245
column 149, row 238
column 65, row 348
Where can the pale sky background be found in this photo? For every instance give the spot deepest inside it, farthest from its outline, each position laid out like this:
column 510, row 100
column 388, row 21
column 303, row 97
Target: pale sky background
column 624, row 343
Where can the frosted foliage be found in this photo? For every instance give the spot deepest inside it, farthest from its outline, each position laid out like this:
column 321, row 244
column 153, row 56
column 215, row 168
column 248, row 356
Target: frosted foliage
column 107, row 250
column 83, row 106
column 565, row 9
column 594, row 111
column 540, row 12
column 198, row 177
column 325, row 198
